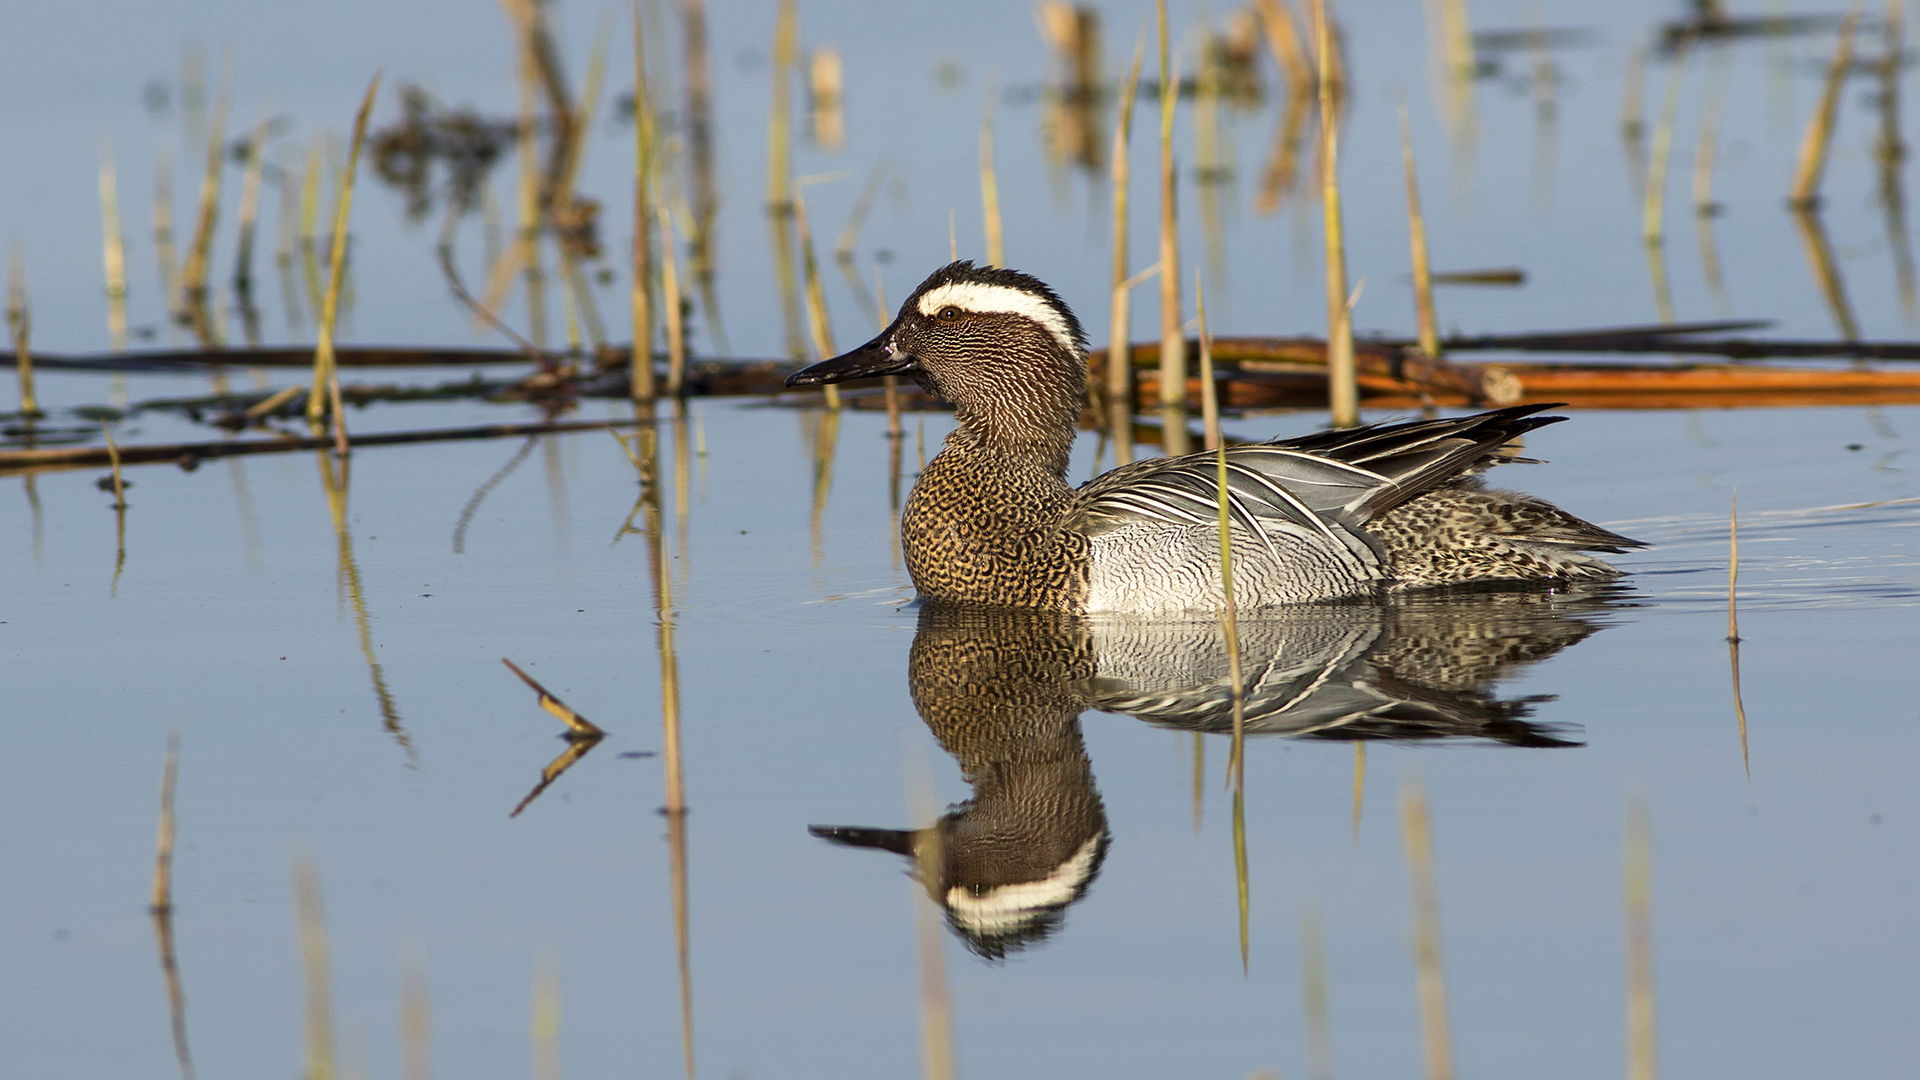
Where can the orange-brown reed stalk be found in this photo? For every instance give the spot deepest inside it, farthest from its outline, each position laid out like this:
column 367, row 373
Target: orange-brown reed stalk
column 113, row 250
column 1343, row 393
column 1119, row 357
column 1812, row 162
column 1173, row 345
column 1436, row 1042
column 326, row 375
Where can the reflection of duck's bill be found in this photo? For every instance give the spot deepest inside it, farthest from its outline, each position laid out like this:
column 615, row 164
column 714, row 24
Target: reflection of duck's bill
column 898, row 841
column 1005, row 910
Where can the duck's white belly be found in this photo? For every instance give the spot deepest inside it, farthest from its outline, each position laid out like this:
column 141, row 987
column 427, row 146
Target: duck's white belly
column 1164, row 569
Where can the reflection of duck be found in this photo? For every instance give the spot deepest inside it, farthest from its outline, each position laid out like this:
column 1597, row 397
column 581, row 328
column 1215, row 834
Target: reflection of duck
column 1340, row 513
column 1002, row 689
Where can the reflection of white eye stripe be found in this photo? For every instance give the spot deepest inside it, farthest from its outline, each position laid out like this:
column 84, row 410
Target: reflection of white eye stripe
column 1000, row 299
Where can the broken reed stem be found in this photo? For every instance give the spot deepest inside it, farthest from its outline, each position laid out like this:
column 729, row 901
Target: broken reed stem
column 1812, row 162
column 545, row 1028
column 1173, row 344
column 675, row 311
column 1637, row 889
column 20, row 322
column 1313, row 992
column 1436, row 1043
column 558, row 709
column 326, row 376
column 641, row 382
column 990, row 186
column 817, row 325
column 1343, row 391
column 161, row 906
column 1119, row 355
column 1429, row 326
column 310, row 924
column 113, row 250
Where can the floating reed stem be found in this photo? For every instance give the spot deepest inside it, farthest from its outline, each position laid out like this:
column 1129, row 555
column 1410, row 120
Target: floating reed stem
column 641, row 382
column 990, row 186
column 1436, row 1043
column 161, row 908
column 1417, row 243
column 1343, row 392
column 1814, row 143
column 113, row 250
column 1173, row 343
column 1119, row 356
column 20, row 323
column 1642, row 1060
column 817, row 326
column 326, row 376
column 1313, row 992
column 311, row 925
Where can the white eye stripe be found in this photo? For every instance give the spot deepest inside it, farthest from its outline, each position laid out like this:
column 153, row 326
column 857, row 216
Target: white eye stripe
column 1000, row 299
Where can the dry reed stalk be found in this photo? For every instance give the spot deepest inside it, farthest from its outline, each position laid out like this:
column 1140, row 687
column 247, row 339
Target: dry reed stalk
column 20, row 323
column 113, row 250
column 193, row 276
column 1812, row 162
column 1343, row 393
column 1242, row 890
column 706, row 197
column 786, row 52
column 310, row 924
column 817, row 326
column 326, row 375
column 1173, row 344
column 936, row 1000
column 416, row 1015
column 249, row 217
column 1212, row 167
column 113, row 458
column 1704, row 208
column 1313, row 993
column 545, row 1029
column 310, row 221
column 287, row 240
column 673, row 304
column 161, row 907
column 1417, row 243
column 1119, row 383
column 1229, row 620
column 953, row 239
column 675, row 809
column 1637, row 889
column 1890, row 151
column 163, row 231
column 1733, row 628
column 1283, row 39
column 567, row 213
column 1653, row 208
column 1450, row 51
column 641, row 380
column 558, row 709
column 1436, row 1043
column 990, row 186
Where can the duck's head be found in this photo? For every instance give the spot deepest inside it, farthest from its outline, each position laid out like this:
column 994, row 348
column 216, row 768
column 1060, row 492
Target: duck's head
column 997, row 343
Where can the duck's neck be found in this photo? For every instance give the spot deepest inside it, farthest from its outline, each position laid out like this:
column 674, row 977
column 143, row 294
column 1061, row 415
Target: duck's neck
column 1035, row 427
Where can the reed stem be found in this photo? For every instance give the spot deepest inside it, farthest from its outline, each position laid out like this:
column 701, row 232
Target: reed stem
column 326, row 376
column 1637, row 889
column 675, row 308
column 817, row 325
column 1818, row 138
column 990, row 186
column 1343, row 392
column 1436, row 1042
column 1429, row 325
column 641, row 379
column 113, row 250
column 1119, row 356
column 310, row 922
column 1173, row 345
column 20, row 322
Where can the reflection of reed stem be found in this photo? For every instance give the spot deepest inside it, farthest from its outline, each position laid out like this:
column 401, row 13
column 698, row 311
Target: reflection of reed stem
column 1173, row 345
column 114, row 250
column 1313, row 992
column 936, row 1001
column 416, row 1015
column 1813, row 240
column 161, row 908
column 990, row 186
column 1642, row 1063
column 1436, row 1043
column 1890, row 151
column 1119, row 388
column 1359, row 785
column 20, row 323
column 310, row 923
column 1733, row 626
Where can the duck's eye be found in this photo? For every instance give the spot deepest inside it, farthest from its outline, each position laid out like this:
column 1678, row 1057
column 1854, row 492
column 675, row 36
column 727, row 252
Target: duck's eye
column 949, row 313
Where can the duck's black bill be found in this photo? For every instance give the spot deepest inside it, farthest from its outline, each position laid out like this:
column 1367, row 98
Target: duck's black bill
column 898, row 841
column 876, row 357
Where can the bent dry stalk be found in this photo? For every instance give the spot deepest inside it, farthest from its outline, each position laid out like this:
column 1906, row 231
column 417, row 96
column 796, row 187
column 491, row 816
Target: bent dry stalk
column 326, row 377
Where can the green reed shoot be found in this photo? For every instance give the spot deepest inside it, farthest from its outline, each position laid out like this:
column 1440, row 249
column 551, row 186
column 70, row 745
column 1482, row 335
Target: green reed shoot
column 326, row 376
column 1343, row 391
column 1416, row 828
column 1119, row 353
column 1814, row 143
column 1173, row 354
column 1429, row 324
column 990, row 186
column 113, row 250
